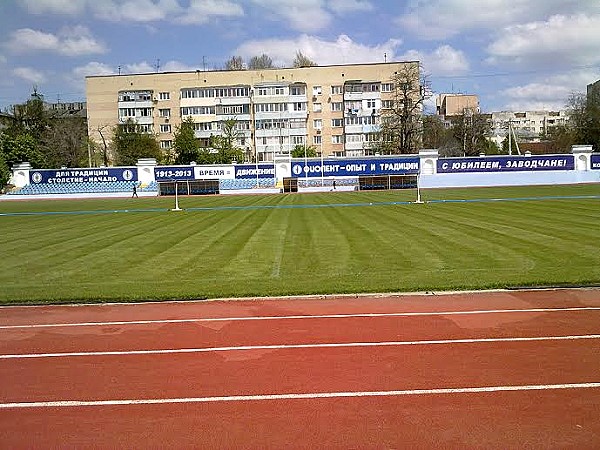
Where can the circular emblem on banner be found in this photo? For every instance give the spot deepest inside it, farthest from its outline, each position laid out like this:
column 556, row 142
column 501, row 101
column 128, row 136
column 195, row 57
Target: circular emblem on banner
column 36, row 177
column 127, row 175
column 297, row 170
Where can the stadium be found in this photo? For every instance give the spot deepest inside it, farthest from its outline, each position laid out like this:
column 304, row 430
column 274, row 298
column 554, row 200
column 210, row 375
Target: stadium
column 341, row 302
column 278, row 242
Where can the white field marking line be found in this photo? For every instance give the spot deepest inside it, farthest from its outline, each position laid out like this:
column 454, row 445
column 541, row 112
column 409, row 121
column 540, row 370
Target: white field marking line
column 298, row 396
column 323, row 316
column 299, row 346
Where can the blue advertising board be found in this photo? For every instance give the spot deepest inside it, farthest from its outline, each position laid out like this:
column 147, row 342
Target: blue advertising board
column 355, row 167
column 174, row 173
column 250, row 171
column 91, row 175
column 596, row 161
column 506, row 164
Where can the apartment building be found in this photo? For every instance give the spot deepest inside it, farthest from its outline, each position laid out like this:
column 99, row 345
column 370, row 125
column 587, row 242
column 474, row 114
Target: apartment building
column 335, row 108
column 526, row 124
column 452, row 105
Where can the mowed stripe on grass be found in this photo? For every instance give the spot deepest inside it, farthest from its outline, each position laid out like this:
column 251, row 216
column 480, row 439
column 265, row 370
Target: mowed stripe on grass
column 276, row 251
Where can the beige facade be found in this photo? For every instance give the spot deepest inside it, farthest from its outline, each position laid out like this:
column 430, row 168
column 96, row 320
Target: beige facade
column 335, row 108
column 450, row 105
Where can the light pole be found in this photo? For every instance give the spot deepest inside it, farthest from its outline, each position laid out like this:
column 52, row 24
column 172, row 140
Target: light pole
column 177, row 208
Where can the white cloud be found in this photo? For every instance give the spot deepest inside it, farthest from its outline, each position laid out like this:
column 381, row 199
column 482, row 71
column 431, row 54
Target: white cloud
column 441, row 19
column 134, row 10
column 305, row 16
column 568, row 39
column 201, row 11
column 75, row 41
column 176, row 66
column 341, row 51
column 443, row 61
column 348, row 6
column 93, row 68
column 550, row 93
column 67, row 7
column 142, row 11
column 29, row 74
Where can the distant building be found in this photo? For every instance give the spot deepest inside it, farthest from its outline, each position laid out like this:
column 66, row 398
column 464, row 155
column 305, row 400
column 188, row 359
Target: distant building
column 452, row 105
column 66, row 109
column 527, row 125
column 593, row 90
column 5, row 120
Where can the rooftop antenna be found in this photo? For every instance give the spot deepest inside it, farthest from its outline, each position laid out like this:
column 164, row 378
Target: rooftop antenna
column 119, row 69
column 157, row 67
column 385, row 57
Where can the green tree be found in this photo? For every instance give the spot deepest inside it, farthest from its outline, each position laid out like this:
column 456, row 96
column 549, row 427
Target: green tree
column 472, row 130
column 401, row 125
column 584, row 117
column 21, row 148
column 560, row 137
column 64, row 142
column 226, row 143
column 30, row 118
column 260, row 62
column 302, row 60
column 4, row 171
column 185, row 143
column 435, row 133
column 303, row 151
column 131, row 144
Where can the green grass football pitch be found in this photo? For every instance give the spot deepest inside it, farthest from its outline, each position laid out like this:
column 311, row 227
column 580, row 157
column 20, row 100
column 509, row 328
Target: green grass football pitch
column 287, row 244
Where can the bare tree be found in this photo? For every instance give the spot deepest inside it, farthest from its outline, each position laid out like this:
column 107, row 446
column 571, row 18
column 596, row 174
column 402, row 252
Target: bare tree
column 260, row 62
column 402, row 124
column 102, row 130
column 302, row 60
column 234, row 63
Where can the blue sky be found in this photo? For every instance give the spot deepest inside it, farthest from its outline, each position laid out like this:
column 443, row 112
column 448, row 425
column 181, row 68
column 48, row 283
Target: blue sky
column 516, row 55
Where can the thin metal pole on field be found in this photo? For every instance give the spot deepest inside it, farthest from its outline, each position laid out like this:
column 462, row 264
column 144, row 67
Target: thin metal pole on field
column 177, row 208
column 418, row 191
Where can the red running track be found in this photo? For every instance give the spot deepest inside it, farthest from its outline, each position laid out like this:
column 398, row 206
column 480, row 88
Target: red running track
column 488, row 370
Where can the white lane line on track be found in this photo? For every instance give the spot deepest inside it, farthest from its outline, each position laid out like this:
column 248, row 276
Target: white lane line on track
column 323, row 316
column 297, row 396
column 299, row 346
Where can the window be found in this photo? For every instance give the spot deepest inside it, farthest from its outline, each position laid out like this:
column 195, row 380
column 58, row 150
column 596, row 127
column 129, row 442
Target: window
column 317, row 107
column 337, row 122
column 197, row 110
column 387, row 87
column 298, row 140
column 299, row 106
column 164, row 96
column 354, row 138
column 270, row 107
column 317, row 139
column 317, row 90
column 387, row 104
column 336, row 89
column 166, row 113
column 336, row 106
column 297, row 90
column 166, row 144
column 165, row 128
column 336, row 139
column 371, row 104
column 273, row 90
column 317, row 124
